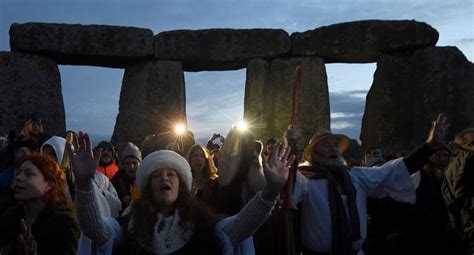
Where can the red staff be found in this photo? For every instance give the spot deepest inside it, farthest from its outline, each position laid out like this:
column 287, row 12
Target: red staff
column 287, row 194
column 296, row 97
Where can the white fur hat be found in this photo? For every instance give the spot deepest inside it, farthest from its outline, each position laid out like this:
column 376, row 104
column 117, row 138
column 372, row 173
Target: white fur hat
column 164, row 159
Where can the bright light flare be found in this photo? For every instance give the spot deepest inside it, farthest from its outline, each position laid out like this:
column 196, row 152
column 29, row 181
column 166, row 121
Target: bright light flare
column 242, row 126
column 180, row 129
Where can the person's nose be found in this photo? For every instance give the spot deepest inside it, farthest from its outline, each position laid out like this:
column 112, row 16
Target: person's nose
column 18, row 178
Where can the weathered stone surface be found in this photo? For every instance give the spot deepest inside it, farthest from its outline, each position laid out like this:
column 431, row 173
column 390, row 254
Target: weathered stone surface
column 363, row 41
column 30, row 84
column 409, row 92
column 97, row 45
column 220, row 49
column 268, row 97
column 152, row 101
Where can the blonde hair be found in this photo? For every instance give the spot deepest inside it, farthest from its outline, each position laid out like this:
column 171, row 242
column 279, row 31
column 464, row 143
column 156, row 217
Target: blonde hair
column 460, row 139
column 25, row 132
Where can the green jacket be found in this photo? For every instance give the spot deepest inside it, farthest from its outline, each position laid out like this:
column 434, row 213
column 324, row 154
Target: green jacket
column 56, row 231
column 460, row 193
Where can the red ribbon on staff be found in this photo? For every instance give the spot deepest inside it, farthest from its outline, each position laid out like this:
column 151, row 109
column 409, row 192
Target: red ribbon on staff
column 296, row 97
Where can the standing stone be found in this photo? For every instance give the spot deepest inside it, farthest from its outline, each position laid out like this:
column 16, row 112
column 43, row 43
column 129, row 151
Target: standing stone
column 363, row 41
column 30, row 84
column 152, row 101
column 268, row 97
column 97, row 45
column 409, row 92
column 220, row 49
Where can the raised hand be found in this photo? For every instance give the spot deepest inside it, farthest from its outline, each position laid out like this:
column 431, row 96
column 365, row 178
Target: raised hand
column 26, row 240
column 276, row 169
column 293, row 132
column 84, row 163
column 438, row 130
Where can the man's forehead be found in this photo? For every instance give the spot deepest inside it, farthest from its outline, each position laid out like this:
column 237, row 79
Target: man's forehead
column 327, row 139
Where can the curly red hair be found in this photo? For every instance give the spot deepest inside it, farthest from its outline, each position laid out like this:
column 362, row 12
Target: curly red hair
column 53, row 175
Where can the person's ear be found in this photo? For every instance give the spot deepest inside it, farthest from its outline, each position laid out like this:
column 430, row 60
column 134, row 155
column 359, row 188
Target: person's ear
column 47, row 188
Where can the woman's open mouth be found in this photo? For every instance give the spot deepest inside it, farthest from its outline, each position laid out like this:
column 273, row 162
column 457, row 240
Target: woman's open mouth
column 18, row 188
column 165, row 188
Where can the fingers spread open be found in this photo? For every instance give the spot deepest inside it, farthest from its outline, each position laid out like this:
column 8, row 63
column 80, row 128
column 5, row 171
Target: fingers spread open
column 75, row 141
column 87, row 141
column 275, row 153
column 265, row 160
column 291, row 160
column 98, row 154
column 287, row 154
column 82, row 143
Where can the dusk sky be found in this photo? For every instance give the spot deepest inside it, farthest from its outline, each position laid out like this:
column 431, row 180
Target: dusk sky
column 215, row 99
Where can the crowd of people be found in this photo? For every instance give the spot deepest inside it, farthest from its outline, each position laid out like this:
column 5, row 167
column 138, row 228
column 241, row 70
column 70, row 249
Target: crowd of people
column 62, row 195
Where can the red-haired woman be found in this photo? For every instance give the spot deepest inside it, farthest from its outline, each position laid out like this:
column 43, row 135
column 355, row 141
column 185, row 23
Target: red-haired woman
column 205, row 179
column 43, row 222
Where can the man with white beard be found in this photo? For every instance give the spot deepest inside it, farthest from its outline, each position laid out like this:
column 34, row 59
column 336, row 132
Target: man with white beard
column 333, row 199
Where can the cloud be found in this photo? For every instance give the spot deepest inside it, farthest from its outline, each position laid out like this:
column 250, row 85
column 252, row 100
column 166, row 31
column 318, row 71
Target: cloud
column 347, row 109
column 341, row 125
column 465, row 41
column 338, row 115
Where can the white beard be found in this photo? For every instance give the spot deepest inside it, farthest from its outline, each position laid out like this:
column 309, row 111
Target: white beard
column 334, row 163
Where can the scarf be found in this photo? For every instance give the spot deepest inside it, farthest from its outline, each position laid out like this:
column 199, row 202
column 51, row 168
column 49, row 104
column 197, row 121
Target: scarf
column 345, row 230
column 169, row 234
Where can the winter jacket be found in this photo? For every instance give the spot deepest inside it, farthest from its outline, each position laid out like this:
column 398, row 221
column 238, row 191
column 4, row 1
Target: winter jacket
column 459, row 195
column 109, row 170
column 55, row 231
column 122, row 182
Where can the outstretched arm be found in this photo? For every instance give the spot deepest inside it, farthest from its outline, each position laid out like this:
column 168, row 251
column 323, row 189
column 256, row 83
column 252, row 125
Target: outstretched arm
column 84, row 165
column 420, row 157
column 257, row 210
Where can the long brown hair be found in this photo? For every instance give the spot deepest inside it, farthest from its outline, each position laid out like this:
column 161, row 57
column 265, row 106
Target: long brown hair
column 145, row 213
column 210, row 170
column 52, row 174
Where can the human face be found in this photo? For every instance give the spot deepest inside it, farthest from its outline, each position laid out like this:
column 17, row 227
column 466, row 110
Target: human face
column 165, row 186
column 130, row 165
column 376, row 153
column 29, row 183
column 198, row 161
column 441, row 159
column 326, row 154
column 36, row 128
column 107, row 156
column 20, row 152
column 49, row 151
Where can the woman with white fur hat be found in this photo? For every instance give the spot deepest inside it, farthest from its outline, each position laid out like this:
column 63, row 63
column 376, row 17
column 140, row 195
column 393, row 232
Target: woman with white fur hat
column 166, row 219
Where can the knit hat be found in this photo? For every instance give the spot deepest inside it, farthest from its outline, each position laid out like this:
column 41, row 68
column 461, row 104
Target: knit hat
column 131, row 150
column 106, row 145
column 164, row 159
column 320, row 135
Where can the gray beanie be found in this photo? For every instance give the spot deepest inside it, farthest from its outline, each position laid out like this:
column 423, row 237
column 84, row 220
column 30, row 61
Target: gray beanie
column 131, row 150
